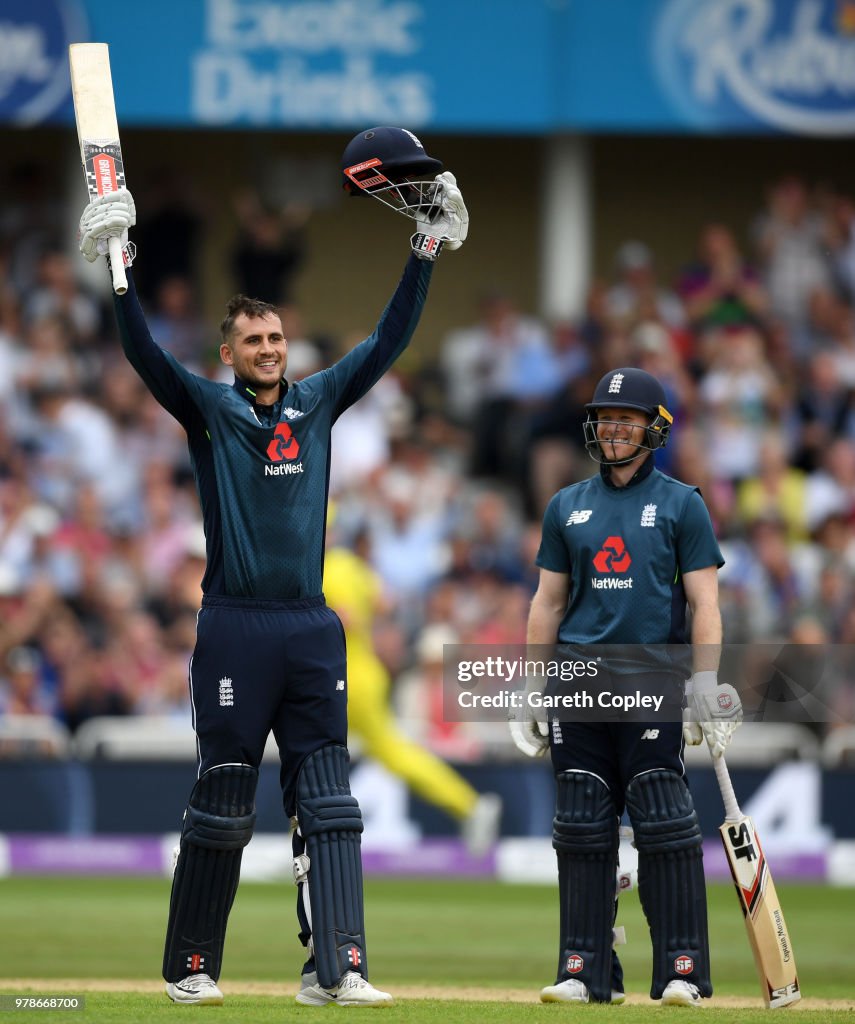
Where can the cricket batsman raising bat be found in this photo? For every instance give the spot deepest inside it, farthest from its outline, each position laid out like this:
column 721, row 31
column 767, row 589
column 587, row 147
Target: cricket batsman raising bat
column 100, row 150
column 270, row 653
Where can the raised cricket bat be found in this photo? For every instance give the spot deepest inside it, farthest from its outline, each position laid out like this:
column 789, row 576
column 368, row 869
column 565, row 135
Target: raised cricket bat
column 98, row 131
column 764, row 919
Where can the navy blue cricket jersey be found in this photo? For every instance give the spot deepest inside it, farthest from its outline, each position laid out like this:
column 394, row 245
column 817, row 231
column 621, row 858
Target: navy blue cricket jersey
column 626, row 551
column 262, row 472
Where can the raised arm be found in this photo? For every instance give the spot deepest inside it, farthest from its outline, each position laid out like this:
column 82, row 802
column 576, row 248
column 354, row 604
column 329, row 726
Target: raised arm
column 357, row 372
column 110, row 216
column 443, row 224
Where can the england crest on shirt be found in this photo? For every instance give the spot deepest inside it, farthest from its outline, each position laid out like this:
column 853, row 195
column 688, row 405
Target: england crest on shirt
column 648, row 515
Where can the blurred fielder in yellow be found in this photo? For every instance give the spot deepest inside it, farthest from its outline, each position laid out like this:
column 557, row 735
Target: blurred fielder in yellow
column 354, row 591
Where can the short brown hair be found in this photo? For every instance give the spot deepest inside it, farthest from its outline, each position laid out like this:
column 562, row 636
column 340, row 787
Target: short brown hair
column 238, row 304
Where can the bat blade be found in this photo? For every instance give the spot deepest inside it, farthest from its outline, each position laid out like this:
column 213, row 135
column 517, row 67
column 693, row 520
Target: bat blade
column 764, row 918
column 98, row 132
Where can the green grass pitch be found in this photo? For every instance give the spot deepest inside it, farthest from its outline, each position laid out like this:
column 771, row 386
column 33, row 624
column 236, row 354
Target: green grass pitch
column 438, row 936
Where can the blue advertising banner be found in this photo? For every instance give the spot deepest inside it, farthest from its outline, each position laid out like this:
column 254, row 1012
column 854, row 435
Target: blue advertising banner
column 706, row 66
column 712, row 66
column 791, row 66
column 302, row 64
column 34, row 38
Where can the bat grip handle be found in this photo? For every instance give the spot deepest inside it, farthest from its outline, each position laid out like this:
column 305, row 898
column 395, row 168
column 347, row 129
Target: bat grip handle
column 731, row 804
column 117, row 265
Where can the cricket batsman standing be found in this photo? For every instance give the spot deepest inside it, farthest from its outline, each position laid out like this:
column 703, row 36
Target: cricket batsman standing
column 270, row 654
column 651, row 538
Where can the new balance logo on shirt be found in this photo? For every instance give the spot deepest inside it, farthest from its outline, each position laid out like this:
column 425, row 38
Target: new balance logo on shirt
column 579, row 515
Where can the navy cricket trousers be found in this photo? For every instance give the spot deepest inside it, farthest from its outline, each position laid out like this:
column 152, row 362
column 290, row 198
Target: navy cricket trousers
column 617, row 751
column 262, row 666
column 618, row 746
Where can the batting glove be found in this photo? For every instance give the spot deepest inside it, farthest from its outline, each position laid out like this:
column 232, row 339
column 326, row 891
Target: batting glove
column 529, row 735
column 447, row 223
column 108, row 216
column 715, row 710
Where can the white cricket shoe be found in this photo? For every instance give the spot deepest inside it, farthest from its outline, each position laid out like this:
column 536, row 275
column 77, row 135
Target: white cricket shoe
column 480, row 829
column 352, row 990
column 570, row 991
column 573, row 991
column 681, row 993
column 195, row 988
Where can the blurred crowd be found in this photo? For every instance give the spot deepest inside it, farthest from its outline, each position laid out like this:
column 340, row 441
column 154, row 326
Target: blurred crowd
column 441, row 474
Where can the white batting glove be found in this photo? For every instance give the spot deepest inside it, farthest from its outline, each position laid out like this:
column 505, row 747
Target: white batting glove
column 529, row 735
column 448, row 223
column 108, row 216
column 717, row 710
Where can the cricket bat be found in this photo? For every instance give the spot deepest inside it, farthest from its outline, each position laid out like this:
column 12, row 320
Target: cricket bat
column 98, row 132
column 764, row 919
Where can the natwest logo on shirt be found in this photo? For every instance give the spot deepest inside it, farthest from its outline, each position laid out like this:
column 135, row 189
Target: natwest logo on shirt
column 612, row 557
column 282, row 451
column 283, row 445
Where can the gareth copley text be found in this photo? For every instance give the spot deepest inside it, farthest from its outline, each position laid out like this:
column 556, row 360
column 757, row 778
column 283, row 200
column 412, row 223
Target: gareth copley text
column 514, row 699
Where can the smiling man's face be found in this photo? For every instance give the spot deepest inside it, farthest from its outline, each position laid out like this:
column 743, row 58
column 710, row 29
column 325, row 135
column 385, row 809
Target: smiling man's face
column 258, row 352
column 621, row 433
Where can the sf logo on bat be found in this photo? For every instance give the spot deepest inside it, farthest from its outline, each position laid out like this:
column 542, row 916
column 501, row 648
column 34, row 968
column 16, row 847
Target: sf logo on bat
column 742, row 841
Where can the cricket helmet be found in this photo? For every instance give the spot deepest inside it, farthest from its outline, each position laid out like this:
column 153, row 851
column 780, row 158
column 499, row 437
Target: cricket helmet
column 391, row 165
column 629, row 388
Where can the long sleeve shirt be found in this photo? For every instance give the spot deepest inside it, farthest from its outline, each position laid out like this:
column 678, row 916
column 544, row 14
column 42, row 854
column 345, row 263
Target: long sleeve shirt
column 262, row 471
